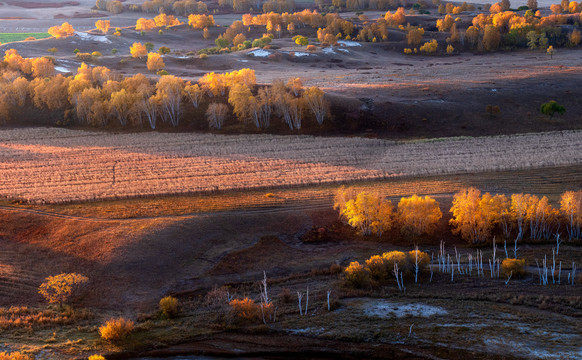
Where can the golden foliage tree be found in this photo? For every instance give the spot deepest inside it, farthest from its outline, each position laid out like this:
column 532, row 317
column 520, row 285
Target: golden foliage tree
column 491, row 37
column 138, row 50
column 314, row 98
column 103, row 25
column 370, row 213
column 155, row 62
column 61, row 288
column 116, row 330
column 414, row 35
column 571, row 209
column 144, row 24
column 200, row 21
column 473, row 215
column 418, row 215
column 62, row 31
column 42, row 67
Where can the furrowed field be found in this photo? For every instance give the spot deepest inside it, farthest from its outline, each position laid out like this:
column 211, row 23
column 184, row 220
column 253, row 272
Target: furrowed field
column 58, row 165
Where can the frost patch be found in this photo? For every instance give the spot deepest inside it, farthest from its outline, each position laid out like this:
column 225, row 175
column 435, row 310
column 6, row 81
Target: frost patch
column 62, row 69
column 328, row 50
column 89, row 37
column 259, row 53
column 386, row 309
column 300, row 54
column 344, row 50
column 348, row 43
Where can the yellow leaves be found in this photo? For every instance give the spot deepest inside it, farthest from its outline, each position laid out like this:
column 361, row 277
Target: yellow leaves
column 42, row 67
column 166, row 20
column 246, row 308
column 138, row 50
column 429, row 46
column 471, row 216
column 103, row 25
column 201, row 21
column 445, row 24
column 418, row 215
column 62, row 31
column 144, row 24
column 60, row 288
column 155, row 62
column 414, row 35
column 370, row 213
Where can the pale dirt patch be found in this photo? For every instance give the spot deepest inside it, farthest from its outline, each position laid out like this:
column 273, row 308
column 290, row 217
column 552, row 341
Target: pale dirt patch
column 388, row 309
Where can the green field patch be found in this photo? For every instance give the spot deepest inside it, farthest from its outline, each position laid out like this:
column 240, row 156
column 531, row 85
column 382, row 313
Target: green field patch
column 11, row 37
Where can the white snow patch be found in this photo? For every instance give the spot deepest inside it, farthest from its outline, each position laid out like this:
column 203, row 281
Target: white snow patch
column 344, row 50
column 89, row 37
column 62, row 69
column 349, row 43
column 243, row 60
column 300, row 54
column 328, row 50
column 259, row 53
column 386, row 309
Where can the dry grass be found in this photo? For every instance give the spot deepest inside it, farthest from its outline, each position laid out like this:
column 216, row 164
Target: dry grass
column 58, row 166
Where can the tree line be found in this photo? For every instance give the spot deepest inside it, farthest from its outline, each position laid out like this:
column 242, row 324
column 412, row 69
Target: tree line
column 476, row 217
column 97, row 96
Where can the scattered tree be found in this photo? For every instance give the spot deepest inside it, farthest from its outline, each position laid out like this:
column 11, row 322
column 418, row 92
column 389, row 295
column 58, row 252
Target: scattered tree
column 61, row 288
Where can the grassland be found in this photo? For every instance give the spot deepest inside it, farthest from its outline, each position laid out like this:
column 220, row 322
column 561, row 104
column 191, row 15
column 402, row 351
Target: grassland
column 12, row 37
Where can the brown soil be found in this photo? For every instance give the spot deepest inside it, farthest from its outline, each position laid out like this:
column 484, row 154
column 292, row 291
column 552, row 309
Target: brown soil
column 79, row 15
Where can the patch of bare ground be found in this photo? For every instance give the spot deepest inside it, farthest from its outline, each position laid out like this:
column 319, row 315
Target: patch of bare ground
column 42, row 5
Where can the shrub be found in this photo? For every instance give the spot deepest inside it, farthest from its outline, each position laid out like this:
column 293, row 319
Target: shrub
column 96, row 54
column 310, row 48
column 395, row 257
column 149, row 46
column 552, row 107
column 335, row 268
column 116, row 329
column 163, row 50
column 96, row 357
column 355, row 275
column 84, row 56
column 244, row 309
column 376, row 266
column 301, row 40
column 76, row 51
column 14, row 356
column 53, row 50
column 203, row 56
column 30, row 38
column 169, row 306
column 114, row 51
column 162, row 73
column 513, row 266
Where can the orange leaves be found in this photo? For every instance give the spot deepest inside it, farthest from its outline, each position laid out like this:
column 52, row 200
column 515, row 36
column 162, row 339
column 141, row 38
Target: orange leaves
column 164, row 20
column 64, row 30
column 60, row 288
column 246, row 308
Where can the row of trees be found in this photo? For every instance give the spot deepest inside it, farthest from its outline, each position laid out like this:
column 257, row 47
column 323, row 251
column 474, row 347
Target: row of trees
column 373, row 214
column 475, row 216
column 97, row 96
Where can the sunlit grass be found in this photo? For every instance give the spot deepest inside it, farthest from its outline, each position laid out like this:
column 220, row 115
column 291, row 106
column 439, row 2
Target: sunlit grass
column 11, row 37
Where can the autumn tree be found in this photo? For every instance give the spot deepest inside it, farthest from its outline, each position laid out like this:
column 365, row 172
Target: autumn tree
column 414, row 35
column 51, row 93
column 314, row 98
column 138, row 50
column 445, row 24
column 418, row 215
column 42, row 67
column 62, row 31
column 491, row 37
column 103, row 25
column 551, row 108
column 574, row 37
column 200, row 22
column 61, row 288
column 214, row 84
column 17, row 92
column 215, row 114
column 121, row 104
column 155, row 62
column 571, row 210
column 169, row 92
column 144, row 24
column 91, row 107
column 370, row 213
column 194, row 93
column 473, row 215
column 239, row 97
